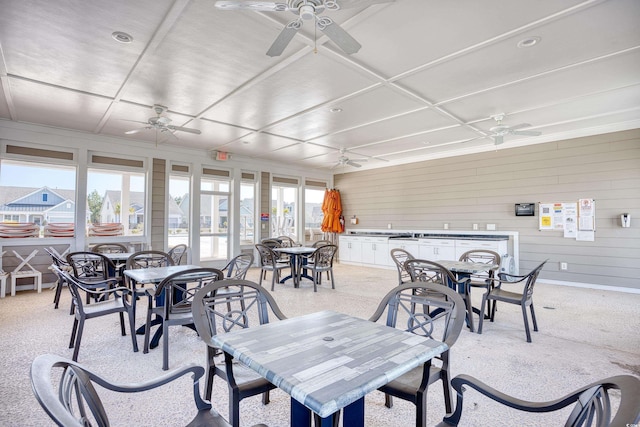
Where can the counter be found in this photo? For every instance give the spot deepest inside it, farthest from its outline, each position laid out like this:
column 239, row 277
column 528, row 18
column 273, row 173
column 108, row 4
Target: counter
column 371, row 247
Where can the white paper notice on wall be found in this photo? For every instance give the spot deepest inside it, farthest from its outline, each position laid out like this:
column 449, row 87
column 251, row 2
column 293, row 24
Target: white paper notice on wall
column 587, row 215
column 576, row 220
column 586, row 220
column 570, row 220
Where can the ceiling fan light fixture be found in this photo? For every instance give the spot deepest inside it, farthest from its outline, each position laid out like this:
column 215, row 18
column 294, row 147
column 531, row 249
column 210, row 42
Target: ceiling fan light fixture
column 307, row 12
column 529, row 42
column 122, row 37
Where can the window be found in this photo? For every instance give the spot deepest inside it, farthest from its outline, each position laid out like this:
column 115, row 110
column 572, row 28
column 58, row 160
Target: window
column 284, row 199
column 214, row 215
column 313, row 214
column 179, row 210
column 38, row 193
column 107, row 192
column 247, row 208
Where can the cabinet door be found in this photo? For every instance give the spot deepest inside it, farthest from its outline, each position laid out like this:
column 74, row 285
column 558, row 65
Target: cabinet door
column 411, row 246
column 368, row 251
column 350, row 249
column 447, row 252
column 437, row 249
column 463, row 246
column 426, row 252
column 382, row 256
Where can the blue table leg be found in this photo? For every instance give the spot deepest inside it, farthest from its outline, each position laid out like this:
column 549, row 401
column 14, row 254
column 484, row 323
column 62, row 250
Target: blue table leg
column 301, row 416
column 354, row 414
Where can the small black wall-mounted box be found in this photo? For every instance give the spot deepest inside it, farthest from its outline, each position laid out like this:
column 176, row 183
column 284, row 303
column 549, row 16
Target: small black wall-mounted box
column 525, row 209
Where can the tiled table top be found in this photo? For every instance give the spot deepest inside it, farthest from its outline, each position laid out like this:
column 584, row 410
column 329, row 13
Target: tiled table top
column 327, row 360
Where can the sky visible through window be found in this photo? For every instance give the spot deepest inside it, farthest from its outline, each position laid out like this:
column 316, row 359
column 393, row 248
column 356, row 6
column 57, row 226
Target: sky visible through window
column 40, row 175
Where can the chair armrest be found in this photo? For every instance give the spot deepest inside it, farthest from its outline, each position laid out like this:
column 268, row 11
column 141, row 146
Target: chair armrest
column 197, row 371
column 511, row 278
column 459, row 382
column 108, row 291
column 112, row 281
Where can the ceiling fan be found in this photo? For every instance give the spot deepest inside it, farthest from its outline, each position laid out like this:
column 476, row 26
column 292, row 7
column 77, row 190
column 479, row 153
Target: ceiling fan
column 306, row 10
column 345, row 161
column 161, row 123
column 500, row 131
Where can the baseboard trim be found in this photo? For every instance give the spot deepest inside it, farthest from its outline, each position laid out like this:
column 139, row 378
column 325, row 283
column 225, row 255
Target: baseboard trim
column 591, row 286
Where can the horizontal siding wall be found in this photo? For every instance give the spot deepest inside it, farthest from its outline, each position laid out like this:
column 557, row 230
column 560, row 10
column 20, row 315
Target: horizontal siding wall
column 483, row 188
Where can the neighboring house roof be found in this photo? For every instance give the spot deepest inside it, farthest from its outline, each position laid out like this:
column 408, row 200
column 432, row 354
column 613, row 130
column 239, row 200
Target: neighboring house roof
column 136, row 201
column 30, row 199
column 136, row 198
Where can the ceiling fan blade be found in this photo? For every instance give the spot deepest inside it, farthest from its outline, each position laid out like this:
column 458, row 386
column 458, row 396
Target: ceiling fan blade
column 520, row 126
column 354, row 164
column 263, row 6
column 133, row 131
column 284, row 38
column 347, row 4
column 527, row 132
column 183, row 129
column 498, row 139
column 338, row 35
column 359, row 160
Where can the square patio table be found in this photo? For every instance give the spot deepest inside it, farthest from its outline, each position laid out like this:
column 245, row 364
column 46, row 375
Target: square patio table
column 464, row 269
column 153, row 275
column 327, row 361
column 296, row 263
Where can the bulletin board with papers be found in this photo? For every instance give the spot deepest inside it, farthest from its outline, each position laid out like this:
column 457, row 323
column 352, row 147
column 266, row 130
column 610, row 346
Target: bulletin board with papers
column 575, row 220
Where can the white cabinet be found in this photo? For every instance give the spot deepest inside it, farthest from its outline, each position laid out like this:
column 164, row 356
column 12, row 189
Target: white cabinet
column 436, row 249
column 410, row 245
column 375, row 250
column 499, row 246
column 350, row 249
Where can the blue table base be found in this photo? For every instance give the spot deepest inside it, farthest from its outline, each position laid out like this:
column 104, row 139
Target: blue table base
column 301, row 416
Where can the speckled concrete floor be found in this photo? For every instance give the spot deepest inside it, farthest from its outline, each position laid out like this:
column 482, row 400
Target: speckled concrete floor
column 584, row 335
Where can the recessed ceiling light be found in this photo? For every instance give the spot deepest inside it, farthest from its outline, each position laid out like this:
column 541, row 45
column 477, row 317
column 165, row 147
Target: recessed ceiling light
column 529, row 42
column 335, row 110
column 121, row 37
column 246, row 142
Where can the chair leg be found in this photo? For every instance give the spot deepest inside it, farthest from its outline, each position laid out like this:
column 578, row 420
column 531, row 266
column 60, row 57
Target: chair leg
column 469, row 311
column 165, row 345
column 526, row 322
column 333, row 283
column 274, row 275
column 261, row 276
column 234, row 409
column 56, row 298
column 76, row 348
column 533, row 318
column 421, row 409
column 446, row 388
column 483, row 304
column 388, row 400
column 122, row 330
column 315, row 276
column 265, row 398
column 493, row 310
column 74, row 330
column 208, row 386
column 147, row 331
column 132, row 328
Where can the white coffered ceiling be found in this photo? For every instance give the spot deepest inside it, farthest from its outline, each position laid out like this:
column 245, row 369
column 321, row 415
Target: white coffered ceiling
column 428, row 79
